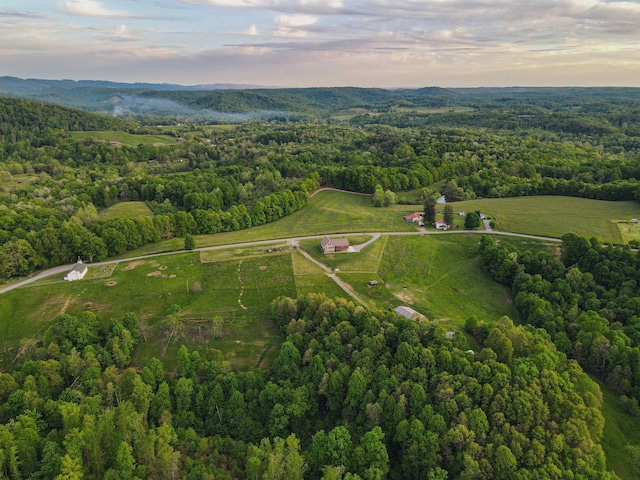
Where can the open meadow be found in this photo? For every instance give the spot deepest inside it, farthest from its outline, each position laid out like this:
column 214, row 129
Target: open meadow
column 11, row 183
column 124, row 138
column 439, row 275
column 553, row 216
column 223, row 304
column 224, row 295
column 620, row 430
column 125, row 210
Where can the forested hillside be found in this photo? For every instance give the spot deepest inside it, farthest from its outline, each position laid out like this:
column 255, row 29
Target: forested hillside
column 353, row 394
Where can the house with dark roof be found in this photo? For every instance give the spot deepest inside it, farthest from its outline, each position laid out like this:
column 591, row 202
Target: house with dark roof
column 334, row 245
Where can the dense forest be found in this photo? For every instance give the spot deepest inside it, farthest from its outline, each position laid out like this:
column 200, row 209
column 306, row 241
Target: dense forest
column 353, row 394
column 587, row 301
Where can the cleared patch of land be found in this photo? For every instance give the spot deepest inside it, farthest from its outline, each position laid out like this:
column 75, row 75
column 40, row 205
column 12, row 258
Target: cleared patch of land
column 238, row 291
column 123, row 138
column 441, row 277
column 319, row 284
column 620, row 430
column 17, row 182
column 433, row 110
column 629, row 231
column 125, row 210
column 553, row 216
column 377, row 296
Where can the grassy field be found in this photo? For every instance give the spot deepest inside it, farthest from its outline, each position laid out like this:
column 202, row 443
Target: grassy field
column 433, row 109
column 368, row 260
column 310, row 278
column 379, row 297
column 629, row 231
column 17, row 182
column 441, row 277
column 620, row 430
column 554, row 216
column 327, row 212
column 124, row 138
column 238, row 290
column 125, row 210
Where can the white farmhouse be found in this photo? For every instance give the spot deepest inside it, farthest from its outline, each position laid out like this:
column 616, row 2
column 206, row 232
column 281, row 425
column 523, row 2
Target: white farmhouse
column 77, row 273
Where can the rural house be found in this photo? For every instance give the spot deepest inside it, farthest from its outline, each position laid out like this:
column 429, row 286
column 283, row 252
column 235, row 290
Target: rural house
column 335, row 245
column 77, row 273
column 414, row 217
column 441, row 225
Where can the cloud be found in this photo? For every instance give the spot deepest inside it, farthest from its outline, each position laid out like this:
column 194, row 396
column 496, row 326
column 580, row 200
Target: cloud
column 16, row 14
column 90, row 8
column 294, row 26
column 295, row 21
column 318, row 7
column 252, row 30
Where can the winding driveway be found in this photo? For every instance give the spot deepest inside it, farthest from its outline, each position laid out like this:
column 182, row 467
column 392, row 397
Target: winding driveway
column 292, row 240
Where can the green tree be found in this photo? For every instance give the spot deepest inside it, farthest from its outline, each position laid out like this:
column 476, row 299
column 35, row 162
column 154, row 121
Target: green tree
column 189, row 242
column 472, row 220
column 448, row 215
column 390, row 198
column 429, row 206
column 378, row 198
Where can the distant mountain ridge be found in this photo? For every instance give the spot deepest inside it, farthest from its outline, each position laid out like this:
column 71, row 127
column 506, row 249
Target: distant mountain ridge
column 30, row 84
column 227, row 102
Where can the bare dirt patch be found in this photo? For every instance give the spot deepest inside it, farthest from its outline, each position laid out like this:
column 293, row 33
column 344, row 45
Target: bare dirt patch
column 65, row 306
column 111, row 283
column 164, row 267
column 172, row 276
column 263, row 267
column 133, row 265
column 405, row 298
column 156, row 273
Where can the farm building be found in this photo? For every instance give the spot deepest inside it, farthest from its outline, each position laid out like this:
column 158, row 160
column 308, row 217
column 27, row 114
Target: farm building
column 372, row 283
column 441, row 225
column 77, row 273
column 334, row 245
column 408, row 312
column 414, row 217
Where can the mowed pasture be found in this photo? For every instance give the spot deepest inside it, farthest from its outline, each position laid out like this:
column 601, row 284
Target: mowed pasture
column 442, row 277
column 367, row 260
column 125, row 210
column 124, row 138
column 327, row 212
column 553, row 216
column 235, row 293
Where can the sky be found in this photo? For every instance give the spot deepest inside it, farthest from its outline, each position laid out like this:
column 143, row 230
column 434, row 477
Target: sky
column 304, row 43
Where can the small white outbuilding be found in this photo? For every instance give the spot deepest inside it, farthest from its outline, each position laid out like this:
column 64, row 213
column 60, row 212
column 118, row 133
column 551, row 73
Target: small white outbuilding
column 77, row 273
